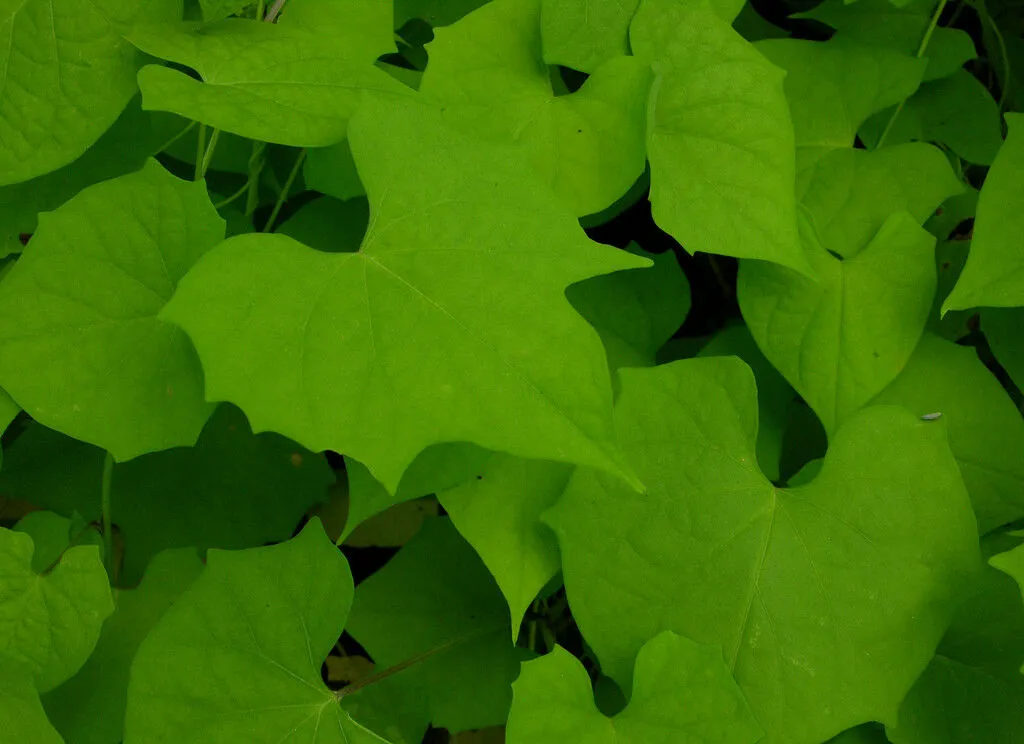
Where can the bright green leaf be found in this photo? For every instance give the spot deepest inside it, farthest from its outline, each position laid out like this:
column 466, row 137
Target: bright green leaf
column 849, row 193
column 584, row 34
column 270, row 82
column 67, row 74
column 720, row 138
column 841, row 340
column 994, row 274
column 986, row 431
column 828, row 599
column 81, row 348
column 435, row 12
column 22, row 718
column 488, row 74
column 50, row 622
column 216, row 10
column 1004, row 331
column 237, row 658
column 381, row 353
column 682, row 694
column 498, row 513
column 89, row 708
column 436, row 597
column 973, row 690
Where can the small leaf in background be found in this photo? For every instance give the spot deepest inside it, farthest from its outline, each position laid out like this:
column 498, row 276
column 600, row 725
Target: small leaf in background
column 233, row 489
column 994, row 274
column 68, row 74
column 394, row 527
column 986, row 431
column 52, row 535
column 22, row 717
column 869, row 733
column 720, row 142
column 499, row 515
column 332, row 171
column 1004, row 330
column 488, row 74
column 828, row 599
column 81, row 348
column 89, row 708
column 382, row 353
column 436, row 597
column 215, row 10
column 237, row 658
column 841, row 340
column 50, row 622
column 973, row 690
column 683, row 693
column 329, row 225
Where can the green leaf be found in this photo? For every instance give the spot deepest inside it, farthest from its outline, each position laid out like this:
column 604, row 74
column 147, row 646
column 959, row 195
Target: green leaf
column 232, row 489
column 869, row 733
column 50, row 622
column 957, row 111
column 22, row 717
column 879, row 23
column 682, row 694
column 498, row 513
column 994, row 274
column 584, row 34
column 89, row 708
column 282, row 83
column 332, row 171
column 636, row 311
column 237, row 658
column 81, row 348
column 833, row 87
column 841, row 340
column 986, row 431
column 381, row 353
column 488, row 74
column 435, row 12
column 215, row 10
column 826, row 592
column 67, row 75
column 720, row 138
column 1004, row 330
column 53, row 534
column 973, row 690
column 850, row 193
column 436, row 598
column 329, row 225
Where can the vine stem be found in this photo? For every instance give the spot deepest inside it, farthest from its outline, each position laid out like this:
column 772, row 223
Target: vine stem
column 932, row 25
column 208, row 155
column 283, row 196
column 108, row 531
column 275, row 9
column 200, row 152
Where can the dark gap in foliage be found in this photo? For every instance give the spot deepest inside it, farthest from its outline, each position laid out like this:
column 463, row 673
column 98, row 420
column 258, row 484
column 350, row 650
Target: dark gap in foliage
column 778, row 14
column 436, row 736
column 335, row 460
column 963, row 230
column 346, row 646
column 365, row 562
column 976, row 339
column 834, row 254
column 573, row 79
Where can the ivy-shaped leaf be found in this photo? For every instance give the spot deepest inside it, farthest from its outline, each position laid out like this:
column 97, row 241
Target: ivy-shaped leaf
column 22, row 717
column 50, row 622
column 276, row 82
column 67, row 73
column 81, row 347
column 682, row 694
column 720, row 138
column 986, row 431
column 827, row 599
column 237, row 658
column 89, row 708
column 437, row 602
column 994, row 274
column 381, row 353
column 488, row 73
column 841, row 340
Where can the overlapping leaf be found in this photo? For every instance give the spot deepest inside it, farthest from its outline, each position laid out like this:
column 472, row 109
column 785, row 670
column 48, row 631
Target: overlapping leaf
column 841, row 340
column 827, row 599
column 436, row 602
column 81, row 348
column 986, row 431
column 67, row 73
column 1004, row 330
column 22, row 717
column 994, row 274
column 584, row 34
column 720, row 138
column 682, row 694
column 237, row 658
column 488, row 73
column 50, row 622
column 449, row 325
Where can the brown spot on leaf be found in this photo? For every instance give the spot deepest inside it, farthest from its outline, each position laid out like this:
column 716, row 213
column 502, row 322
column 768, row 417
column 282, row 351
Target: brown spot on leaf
column 296, row 459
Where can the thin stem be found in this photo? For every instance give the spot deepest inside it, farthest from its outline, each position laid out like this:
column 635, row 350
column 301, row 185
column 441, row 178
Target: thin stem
column 255, row 168
column 259, row 10
column 178, row 136
column 274, row 10
column 208, row 156
column 108, row 531
column 283, row 196
column 932, row 25
column 402, row 666
column 200, row 152
column 1007, row 70
column 220, row 204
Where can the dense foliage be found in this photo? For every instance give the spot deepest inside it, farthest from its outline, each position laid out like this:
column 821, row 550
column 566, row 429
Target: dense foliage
column 540, row 371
